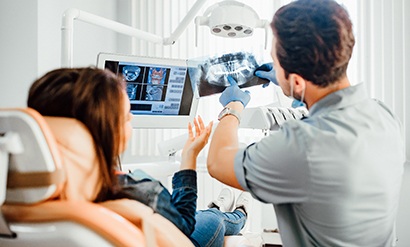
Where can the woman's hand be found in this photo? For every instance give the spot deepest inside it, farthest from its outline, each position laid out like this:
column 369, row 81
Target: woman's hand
column 195, row 143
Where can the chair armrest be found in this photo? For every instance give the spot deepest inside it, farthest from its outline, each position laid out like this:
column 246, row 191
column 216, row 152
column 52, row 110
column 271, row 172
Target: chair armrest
column 106, row 223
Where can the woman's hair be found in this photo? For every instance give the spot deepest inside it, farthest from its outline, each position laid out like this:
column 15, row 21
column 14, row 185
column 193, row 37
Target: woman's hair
column 92, row 96
column 314, row 39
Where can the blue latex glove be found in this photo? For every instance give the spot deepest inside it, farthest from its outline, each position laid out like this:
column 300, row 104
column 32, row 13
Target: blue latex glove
column 234, row 93
column 266, row 71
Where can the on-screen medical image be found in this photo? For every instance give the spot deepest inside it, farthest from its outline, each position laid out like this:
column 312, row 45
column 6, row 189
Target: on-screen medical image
column 159, row 89
column 156, row 78
column 209, row 75
column 131, row 73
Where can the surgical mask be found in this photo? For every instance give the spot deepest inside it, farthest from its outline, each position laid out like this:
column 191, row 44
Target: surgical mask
column 297, row 103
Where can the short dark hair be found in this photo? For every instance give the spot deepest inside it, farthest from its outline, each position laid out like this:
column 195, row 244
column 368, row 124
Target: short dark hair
column 92, row 96
column 314, row 38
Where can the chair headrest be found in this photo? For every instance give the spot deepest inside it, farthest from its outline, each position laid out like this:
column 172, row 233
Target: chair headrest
column 57, row 158
column 33, row 164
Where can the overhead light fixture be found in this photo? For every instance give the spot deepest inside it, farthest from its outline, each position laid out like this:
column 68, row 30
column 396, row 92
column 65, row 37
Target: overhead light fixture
column 231, row 19
column 226, row 19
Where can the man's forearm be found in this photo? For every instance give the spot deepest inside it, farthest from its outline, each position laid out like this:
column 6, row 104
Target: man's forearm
column 223, row 147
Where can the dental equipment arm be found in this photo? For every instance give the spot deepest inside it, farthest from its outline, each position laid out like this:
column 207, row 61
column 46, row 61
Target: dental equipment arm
column 270, row 118
column 72, row 14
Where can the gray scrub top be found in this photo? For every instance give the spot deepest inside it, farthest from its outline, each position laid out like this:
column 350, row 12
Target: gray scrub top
column 334, row 177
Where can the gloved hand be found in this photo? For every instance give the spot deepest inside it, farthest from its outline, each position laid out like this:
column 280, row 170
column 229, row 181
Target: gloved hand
column 266, row 71
column 234, row 93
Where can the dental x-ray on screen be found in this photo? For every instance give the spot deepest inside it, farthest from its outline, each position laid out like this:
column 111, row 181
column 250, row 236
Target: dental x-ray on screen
column 159, row 89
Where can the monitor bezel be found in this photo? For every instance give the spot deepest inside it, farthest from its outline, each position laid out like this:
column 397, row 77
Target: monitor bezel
column 154, row 121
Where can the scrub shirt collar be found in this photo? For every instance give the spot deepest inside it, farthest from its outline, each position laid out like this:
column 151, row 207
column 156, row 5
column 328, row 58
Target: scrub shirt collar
column 340, row 99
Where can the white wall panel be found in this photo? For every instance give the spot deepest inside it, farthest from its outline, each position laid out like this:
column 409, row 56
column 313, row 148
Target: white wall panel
column 383, row 40
column 406, row 74
column 398, row 62
column 403, row 108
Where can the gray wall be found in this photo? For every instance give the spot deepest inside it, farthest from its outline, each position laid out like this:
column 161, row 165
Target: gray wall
column 18, row 49
column 30, row 42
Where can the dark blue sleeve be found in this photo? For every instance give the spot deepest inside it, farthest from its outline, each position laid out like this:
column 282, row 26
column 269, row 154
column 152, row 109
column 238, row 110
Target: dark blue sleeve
column 184, row 197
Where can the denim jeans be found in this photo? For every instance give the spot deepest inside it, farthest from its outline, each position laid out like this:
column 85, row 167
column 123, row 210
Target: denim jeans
column 204, row 227
column 179, row 208
column 212, row 225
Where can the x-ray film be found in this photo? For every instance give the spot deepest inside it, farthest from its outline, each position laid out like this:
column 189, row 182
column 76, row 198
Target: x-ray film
column 209, row 75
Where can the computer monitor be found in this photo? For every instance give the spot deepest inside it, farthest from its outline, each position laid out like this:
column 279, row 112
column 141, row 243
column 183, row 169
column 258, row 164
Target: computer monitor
column 159, row 89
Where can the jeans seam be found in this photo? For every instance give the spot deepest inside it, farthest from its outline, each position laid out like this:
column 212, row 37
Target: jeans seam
column 235, row 221
column 185, row 187
column 211, row 241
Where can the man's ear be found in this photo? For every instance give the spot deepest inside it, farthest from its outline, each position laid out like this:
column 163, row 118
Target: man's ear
column 299, row 83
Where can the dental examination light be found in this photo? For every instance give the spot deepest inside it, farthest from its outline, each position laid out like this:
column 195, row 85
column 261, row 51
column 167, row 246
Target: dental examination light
column 231, row 19
column 226, row 19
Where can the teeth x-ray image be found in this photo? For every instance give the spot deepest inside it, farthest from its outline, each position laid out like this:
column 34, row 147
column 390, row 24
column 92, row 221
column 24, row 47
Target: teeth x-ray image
column 156, row 78
column 132, row 91
column 209, row 75
column 131, row 73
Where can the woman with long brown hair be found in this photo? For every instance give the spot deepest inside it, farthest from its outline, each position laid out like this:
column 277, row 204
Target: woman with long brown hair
column 98, row 100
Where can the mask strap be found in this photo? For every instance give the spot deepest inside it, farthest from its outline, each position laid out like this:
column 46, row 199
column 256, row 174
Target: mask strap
column 291, row 88
column 303, row 95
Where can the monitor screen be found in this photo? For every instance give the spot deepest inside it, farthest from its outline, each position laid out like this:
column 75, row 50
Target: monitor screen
column 159, row 89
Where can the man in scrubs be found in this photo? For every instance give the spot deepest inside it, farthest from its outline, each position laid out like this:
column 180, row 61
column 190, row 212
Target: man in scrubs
column 333, row 177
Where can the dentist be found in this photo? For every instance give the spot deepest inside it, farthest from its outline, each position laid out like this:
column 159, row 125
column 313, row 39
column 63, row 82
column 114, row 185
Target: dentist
column 334, row 177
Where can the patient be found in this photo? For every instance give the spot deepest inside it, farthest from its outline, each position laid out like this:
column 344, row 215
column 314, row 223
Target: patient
column 98, row 99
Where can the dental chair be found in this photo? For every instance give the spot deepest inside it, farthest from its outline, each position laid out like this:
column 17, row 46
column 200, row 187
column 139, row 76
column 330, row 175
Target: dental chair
column 46, row 201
